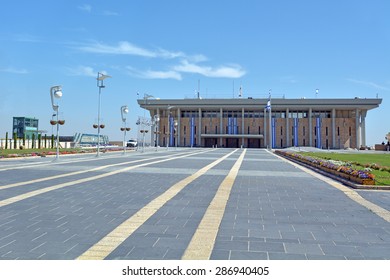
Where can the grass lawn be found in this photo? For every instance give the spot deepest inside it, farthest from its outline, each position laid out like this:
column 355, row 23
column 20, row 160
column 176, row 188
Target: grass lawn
column 359, row 160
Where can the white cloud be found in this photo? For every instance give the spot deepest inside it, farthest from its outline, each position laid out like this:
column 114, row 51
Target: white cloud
column 126, row 48
column 13, row 70
column 150, row 74
column 188, row 64
column 82, row 71
column 86, row 8
column 162, row 75
column 369, row 84
column 232, row 71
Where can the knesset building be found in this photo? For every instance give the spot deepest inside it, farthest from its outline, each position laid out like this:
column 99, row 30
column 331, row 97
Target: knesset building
column 239, row 122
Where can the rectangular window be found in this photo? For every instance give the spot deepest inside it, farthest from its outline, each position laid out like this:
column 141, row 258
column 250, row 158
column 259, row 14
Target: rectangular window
column 350, row 131
column 194, row 129
column 281, row 131
column 205, row 129
column 249, row 131
column 216, row 129
column 338, row 131
column 315, row 132
column 259, row 130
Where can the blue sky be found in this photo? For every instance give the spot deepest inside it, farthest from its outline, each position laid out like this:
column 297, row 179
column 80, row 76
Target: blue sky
column 163, row 48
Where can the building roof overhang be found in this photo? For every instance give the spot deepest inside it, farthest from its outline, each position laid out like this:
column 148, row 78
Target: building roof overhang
column 256, row 103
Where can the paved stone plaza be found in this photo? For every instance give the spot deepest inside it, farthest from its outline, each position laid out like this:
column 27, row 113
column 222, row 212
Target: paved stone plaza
column 185, row 204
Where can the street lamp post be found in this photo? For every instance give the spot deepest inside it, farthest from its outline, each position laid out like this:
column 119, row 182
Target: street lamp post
column 124, row 111
column 100, row 78
column 143, row 131
column 56, row 92
column 175, row 133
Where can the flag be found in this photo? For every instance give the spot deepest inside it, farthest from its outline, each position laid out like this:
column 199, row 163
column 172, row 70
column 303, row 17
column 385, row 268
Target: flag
column 268, row 107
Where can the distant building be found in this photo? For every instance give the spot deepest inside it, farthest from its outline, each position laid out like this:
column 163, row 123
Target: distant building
column 88, row 140
column 25, row 126
column 321, row 123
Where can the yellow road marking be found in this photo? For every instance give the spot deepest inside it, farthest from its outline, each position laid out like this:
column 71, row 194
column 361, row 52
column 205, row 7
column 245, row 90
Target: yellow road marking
column 352, row 194
column 72, row 173
column 202, row 242
column 110, row 242
column 59, row 186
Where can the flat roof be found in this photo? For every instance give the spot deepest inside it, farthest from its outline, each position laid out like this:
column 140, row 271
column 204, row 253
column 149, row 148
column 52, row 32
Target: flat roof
column 255, row 103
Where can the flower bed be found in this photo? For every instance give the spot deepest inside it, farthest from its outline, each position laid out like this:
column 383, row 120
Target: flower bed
column 337, row 168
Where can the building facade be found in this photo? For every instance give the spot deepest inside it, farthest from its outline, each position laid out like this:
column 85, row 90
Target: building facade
column 233, row 123
column 25, row 127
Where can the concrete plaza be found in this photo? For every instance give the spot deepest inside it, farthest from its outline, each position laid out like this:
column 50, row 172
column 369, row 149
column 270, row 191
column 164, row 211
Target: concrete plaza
column 185, row 204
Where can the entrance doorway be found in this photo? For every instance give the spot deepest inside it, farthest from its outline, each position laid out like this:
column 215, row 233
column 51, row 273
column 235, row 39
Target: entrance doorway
column 232, row 143
column 210, row 142
column 253, row 143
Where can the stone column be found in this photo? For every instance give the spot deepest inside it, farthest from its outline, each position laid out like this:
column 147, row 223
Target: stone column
column 363, row 130
column 265, row 128
column 200, row 128
column 357, row 112
column 310, row 128
column 178, row 127
column 287, row 127
column 242, row 127
column 220, row 126
column 334, row 128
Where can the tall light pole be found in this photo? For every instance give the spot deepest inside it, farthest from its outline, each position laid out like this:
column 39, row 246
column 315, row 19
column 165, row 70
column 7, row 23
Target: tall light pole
column 144, row 122
column 124, row 111
column 100, row 78
column 175, row 132
column 56, row 92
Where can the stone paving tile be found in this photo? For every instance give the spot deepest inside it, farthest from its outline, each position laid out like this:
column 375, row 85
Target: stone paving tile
column 245, row 255
column 266, row 246
column 286, row 256
column 314, row 249
column 349, row 251
column 220, row 255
